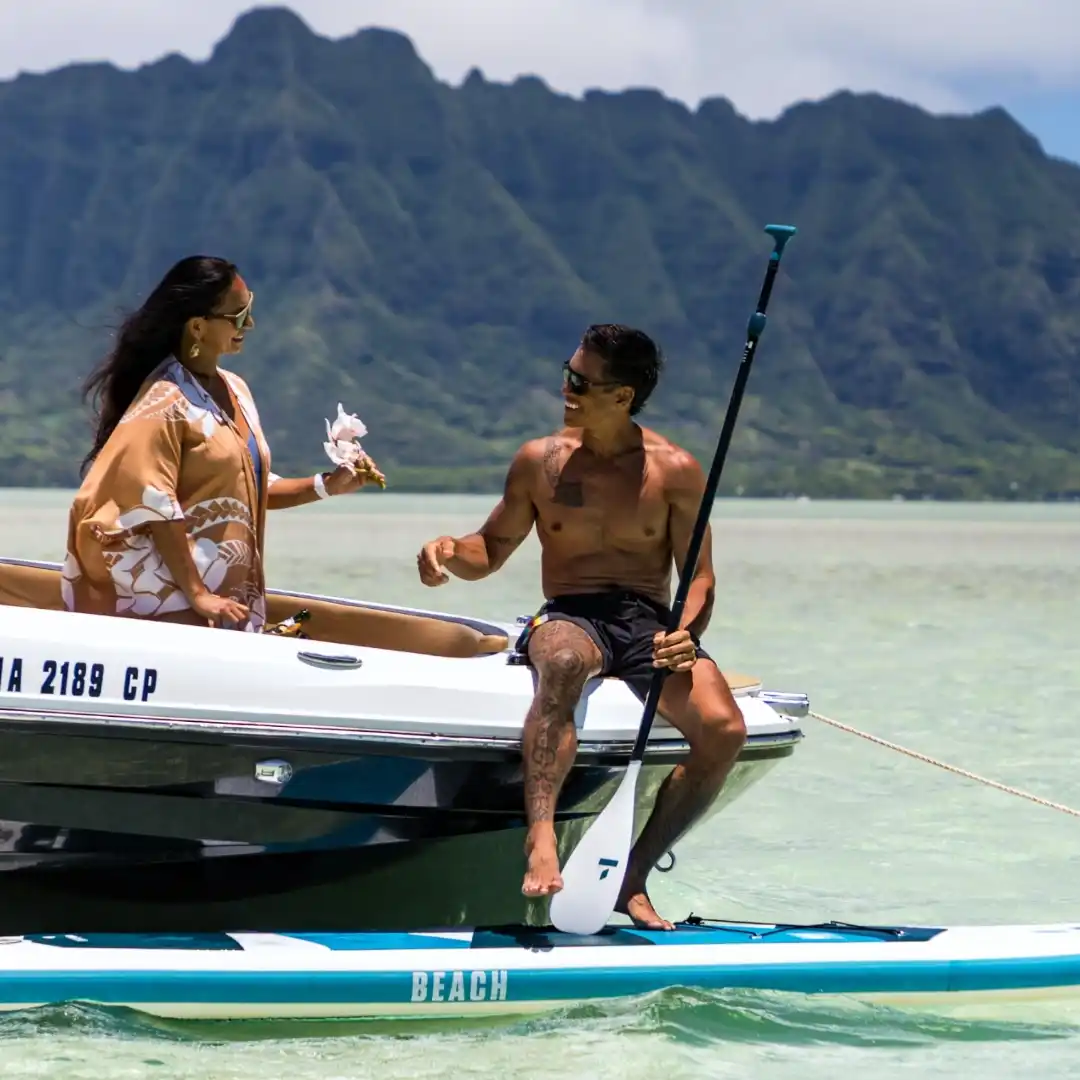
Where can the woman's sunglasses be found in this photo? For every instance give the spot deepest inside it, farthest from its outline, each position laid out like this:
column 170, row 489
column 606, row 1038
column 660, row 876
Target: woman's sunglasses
column 241, row 317
column 577, row 383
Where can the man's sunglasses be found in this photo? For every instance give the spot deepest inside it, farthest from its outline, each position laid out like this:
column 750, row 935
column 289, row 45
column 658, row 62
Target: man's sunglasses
column 577, row 383
column 241, row 317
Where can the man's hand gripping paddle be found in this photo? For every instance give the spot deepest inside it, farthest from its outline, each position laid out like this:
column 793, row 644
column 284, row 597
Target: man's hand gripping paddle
column 594, row 873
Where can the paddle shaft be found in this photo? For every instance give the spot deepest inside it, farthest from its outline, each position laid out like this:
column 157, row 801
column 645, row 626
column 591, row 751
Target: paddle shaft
column 781, row 234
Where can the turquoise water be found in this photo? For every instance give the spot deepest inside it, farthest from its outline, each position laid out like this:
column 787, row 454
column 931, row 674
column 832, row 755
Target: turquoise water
column 950, row 629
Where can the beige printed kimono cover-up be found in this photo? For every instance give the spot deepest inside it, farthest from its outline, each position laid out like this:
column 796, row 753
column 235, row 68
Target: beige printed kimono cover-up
column 174, row 456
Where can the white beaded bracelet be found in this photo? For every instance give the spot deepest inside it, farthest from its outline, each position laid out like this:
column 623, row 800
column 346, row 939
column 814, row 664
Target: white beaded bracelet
column 320, row 486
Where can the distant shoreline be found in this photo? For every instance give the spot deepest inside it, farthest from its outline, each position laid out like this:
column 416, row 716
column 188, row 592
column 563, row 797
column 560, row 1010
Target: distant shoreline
column 785, row 482
column 724, row 499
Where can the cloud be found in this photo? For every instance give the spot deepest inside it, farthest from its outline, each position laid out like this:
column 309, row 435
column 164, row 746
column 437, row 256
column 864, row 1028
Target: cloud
column 762, row 56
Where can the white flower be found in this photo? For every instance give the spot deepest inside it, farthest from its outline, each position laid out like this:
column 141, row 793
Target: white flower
column 347, row 426
column 343, row 439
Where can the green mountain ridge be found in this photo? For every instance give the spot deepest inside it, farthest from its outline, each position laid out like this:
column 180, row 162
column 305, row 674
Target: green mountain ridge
column 428, row 255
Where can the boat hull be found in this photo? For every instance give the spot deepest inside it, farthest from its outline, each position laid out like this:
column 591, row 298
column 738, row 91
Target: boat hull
column 510, row 971
column 160, row 777
column 100, row 833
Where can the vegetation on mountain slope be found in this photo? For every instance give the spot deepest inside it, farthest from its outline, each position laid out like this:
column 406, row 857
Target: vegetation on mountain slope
column 428, row 255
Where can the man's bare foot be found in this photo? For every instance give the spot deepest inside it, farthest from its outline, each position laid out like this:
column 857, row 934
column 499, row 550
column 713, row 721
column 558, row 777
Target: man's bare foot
column 638, row 907
column 542, row 877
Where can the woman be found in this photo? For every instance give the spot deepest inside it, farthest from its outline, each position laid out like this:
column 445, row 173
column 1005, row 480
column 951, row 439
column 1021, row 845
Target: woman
column 168, row 523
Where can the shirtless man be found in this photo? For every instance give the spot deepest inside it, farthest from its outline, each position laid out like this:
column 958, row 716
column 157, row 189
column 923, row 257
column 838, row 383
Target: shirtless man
column 614, row 505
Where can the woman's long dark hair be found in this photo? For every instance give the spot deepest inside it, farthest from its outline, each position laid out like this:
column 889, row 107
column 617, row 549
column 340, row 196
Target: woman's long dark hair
column 150, row 335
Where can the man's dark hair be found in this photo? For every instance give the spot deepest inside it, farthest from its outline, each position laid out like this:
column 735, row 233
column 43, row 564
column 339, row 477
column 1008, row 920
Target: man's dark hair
column 630, row 357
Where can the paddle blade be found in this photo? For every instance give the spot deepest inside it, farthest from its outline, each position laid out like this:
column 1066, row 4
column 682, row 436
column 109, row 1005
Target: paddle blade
column 595, row 870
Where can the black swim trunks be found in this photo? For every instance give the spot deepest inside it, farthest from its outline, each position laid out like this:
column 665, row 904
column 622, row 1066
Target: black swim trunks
column 622, row 623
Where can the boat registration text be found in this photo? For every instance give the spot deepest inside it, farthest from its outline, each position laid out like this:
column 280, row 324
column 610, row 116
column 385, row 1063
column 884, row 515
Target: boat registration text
column 73, row 678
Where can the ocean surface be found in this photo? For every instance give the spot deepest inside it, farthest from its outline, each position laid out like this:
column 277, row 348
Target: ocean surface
column 953, row 630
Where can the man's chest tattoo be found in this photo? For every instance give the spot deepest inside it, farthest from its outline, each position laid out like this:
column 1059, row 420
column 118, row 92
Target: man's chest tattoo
column 563, row 492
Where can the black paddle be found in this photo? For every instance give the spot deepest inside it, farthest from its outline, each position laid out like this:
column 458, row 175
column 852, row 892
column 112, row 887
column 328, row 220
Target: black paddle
column 594, row 873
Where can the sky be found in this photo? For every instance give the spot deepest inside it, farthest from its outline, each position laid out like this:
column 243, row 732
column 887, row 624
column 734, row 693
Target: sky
column 945, row 55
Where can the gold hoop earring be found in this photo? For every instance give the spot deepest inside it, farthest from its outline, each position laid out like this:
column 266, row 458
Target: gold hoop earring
column 194, row 351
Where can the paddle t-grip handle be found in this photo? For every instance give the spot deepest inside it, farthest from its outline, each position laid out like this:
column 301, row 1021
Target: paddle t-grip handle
column 781, row 234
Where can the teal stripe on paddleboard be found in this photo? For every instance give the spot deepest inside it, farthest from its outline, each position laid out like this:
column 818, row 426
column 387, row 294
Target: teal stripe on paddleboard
column 528, row 986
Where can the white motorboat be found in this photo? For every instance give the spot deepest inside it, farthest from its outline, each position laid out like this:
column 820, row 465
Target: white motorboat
column 165, row 778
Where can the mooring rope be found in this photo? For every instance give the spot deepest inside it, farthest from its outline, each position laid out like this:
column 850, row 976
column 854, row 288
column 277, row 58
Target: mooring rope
column 946, row 766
